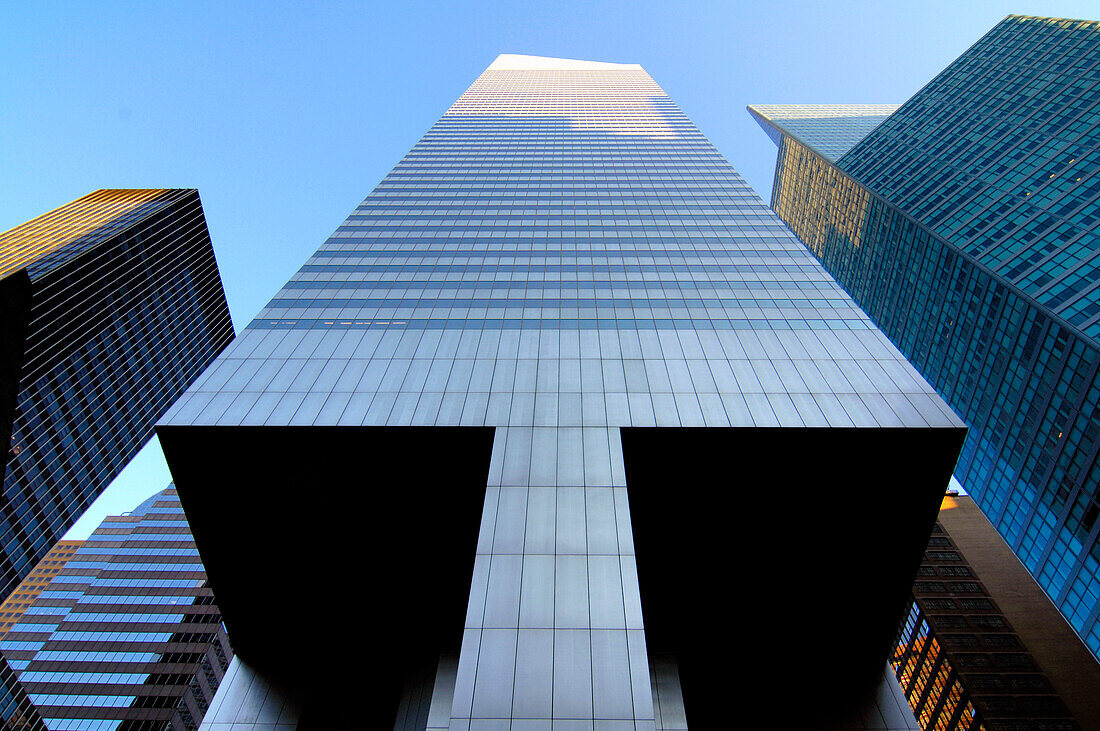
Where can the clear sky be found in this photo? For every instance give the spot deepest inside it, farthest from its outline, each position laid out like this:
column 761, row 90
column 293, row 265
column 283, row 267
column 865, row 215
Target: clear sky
column 286, row 114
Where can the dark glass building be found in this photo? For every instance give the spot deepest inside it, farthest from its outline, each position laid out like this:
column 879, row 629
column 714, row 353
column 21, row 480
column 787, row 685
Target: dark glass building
column 126, row 636
column 111, row 305
column 965, row 225
column 545, row 382
column 114, row 305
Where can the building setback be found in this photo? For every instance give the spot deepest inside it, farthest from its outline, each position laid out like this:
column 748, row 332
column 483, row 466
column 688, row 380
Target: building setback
column 24, row 595
column 127, row 635
column 965, row 225
column 544, row 383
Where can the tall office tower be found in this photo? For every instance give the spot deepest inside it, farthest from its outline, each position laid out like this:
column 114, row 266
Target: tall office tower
column 966, row 226
column 127, row 635
column 28, row 590
column 983, row 646
column 523, row 420
column 111, row 306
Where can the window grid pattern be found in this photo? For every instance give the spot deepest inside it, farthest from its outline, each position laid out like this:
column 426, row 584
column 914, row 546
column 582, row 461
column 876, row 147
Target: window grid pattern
column 37, row 580
column 151, row 314
column 151, row 656
column 562, row 254
column 929, row 680
column 113, row 304
column 830, row 129
column 1022, row 377
column 959, row 659
column 1000, row 154
column 1025, row 382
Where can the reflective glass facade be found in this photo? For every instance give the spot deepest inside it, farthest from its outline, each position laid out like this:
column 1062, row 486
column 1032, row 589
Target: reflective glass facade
column 830, row 129
column 965, row 226
column 998, row 155
column 566, row 263
column 124, row 308
column 983, row 647
column 111, row 305
column 37, row 580
column 126, row 635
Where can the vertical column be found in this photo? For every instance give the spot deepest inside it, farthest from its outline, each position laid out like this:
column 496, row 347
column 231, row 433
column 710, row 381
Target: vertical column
column 553, row 634
column 668, row 697
column 248, row 701
column 439, row 713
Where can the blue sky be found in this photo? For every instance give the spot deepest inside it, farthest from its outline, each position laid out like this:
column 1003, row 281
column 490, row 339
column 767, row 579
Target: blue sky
column 285, row 115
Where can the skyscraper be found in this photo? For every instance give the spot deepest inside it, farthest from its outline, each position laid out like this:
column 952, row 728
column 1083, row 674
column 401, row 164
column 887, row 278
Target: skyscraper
column 111, row 305
column 28, row 590
column 523, row 420
column 983, row 646
column 965, row 225
column 127, row 635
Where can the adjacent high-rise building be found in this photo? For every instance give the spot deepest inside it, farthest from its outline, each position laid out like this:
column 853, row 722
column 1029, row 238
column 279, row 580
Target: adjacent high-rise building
column 127, row 635
column 520, row 427
column 965, row 224
column 111, row 305
column 983, row 647
column 37, row 580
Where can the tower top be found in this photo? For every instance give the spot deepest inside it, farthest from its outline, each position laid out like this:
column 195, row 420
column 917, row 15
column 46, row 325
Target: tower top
column 517, row 62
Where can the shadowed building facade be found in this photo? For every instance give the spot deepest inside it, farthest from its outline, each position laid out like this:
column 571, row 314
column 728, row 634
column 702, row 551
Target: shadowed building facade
column 126, row 636
column 983, row 647
column 521, row 402
column 114, row 305
column 111, row 306
column 965, row 225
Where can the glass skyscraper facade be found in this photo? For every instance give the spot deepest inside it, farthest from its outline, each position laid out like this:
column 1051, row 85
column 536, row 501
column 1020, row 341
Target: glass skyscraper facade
column 126, row 635
column 965, row 225
column 28, row 590
column 983, row 647
column 118, row 305
column 520, row 399
column 830, row 129
column 111, row 305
